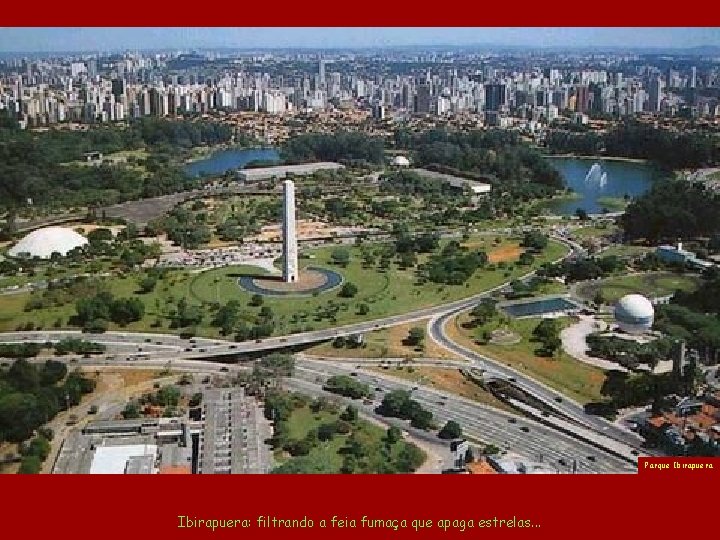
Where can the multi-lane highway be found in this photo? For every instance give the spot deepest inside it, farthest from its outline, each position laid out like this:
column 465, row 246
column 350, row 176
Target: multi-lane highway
column 479, row 422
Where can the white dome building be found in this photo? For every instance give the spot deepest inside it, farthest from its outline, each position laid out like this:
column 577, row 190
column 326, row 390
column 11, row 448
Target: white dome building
column 634, row 314
column 44, row 242
column 401, row 161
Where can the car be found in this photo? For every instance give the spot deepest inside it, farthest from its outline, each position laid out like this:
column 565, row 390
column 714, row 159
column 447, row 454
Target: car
column 367, row 401
column 414, row 388
column 233, row 347
column 511, row 379
column 558, row 399
column 258, row 341
column 378, row 389
column 634, row 452
column 441, row 403
column 224, row 369
column 562, row 462
column 512, row 420
column 591, row 458
column 545, row 414
column 148, row 340
column 354, row 374
column 525, row 429
column 188, row 349
column 202, row 350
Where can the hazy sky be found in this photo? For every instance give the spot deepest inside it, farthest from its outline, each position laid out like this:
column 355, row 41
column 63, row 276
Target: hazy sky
column 107, row 39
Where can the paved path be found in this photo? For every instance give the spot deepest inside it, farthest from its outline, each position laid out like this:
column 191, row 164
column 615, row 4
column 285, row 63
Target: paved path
column 574, row 342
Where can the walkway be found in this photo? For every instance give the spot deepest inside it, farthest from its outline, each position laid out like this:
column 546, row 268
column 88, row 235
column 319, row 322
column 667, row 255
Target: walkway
column 574, row 342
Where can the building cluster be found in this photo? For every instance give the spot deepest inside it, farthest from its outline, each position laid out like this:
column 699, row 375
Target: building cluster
column 502, row 90
column 226, row 437
column 691, row 426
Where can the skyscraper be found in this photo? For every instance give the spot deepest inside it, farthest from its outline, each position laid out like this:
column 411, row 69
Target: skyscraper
column 655, row 94
column 321, row 71
column 422, row 99
column 582, row 98
column 494, row 96
column 290, row 251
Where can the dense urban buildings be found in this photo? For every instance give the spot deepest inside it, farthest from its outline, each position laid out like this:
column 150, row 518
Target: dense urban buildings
column 526, row 90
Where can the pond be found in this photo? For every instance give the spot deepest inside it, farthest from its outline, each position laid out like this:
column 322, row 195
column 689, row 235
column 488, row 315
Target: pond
column 594, row 179
column 226, row 160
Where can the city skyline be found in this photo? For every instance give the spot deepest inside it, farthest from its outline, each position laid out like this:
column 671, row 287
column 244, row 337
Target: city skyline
column 94, row 39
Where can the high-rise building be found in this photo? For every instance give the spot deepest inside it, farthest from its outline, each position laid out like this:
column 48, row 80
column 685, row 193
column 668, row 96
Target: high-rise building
column 321, row 71
column 290, row 250
column 495, row 96
column 655, row 94
column 118, row 88
column 583, row 98
column 422, row 99
column 693, row 77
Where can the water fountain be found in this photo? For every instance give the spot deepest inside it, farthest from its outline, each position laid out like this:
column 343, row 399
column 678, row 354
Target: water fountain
column 595, row 174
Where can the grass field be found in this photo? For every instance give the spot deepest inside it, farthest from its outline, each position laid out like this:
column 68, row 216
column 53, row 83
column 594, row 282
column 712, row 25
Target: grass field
column 386, row 343
column 385, row 293
column 614, row 204
column 651, row 284
column 575, row 379
column 594, row 231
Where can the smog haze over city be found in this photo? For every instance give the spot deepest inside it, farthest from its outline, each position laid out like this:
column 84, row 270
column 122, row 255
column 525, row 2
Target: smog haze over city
column 114, row 39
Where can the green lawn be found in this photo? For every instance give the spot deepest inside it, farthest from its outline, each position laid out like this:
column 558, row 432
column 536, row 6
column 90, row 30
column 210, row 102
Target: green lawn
column 580, row 381
column 594, row 231
column 385, row 293
column 651, row 284
column 614, row 204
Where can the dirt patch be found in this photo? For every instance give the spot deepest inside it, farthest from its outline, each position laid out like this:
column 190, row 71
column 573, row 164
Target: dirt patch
column 397, row 349
column 114, row 379
column 448, row 380
column 505, row 254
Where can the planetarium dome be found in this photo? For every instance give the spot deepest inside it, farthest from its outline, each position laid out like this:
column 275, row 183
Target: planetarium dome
column 44, row 242
column 634, row 314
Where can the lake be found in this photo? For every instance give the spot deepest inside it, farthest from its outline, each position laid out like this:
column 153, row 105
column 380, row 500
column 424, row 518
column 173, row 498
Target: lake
column 591, row 182
column 226, row 160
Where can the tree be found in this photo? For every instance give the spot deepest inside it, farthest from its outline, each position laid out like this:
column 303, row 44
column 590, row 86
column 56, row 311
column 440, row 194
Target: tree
column 350, row 414
column 256, row 300
column 340, row 256
column 598, row 298
column 326, row 432
column 147, row 284
column 131, row 410
column 416, row 335
column 168, row 396
column 582, row 214
column 483, row 311
column 126, row 310
column 348, row 290
column 451, row 430
column 30, row 465
column 392, row 435
column 363, row 309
